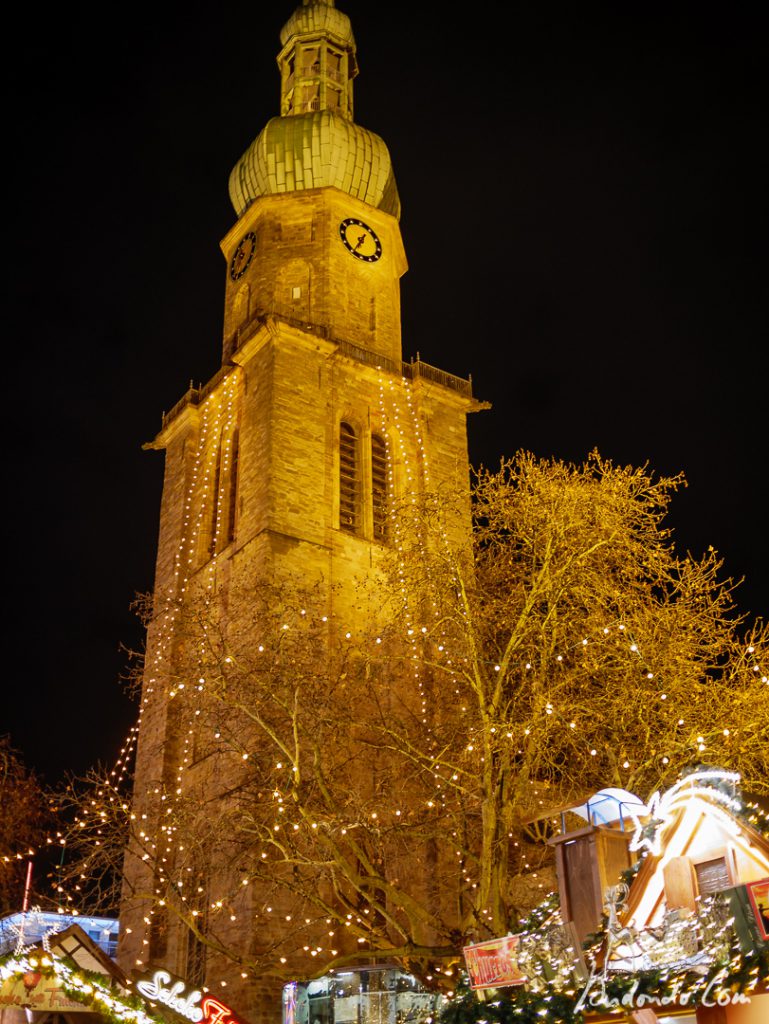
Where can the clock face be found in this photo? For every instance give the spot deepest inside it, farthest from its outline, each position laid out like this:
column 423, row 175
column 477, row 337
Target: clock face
column 360, row 240
column 242, row 256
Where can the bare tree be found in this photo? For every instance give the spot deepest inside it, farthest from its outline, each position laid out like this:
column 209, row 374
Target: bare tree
column 23, row 819
column 365, row 789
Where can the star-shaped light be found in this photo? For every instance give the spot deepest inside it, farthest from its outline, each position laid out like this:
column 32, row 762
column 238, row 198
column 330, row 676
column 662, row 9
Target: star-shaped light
column 651, row 825
column 33, row 923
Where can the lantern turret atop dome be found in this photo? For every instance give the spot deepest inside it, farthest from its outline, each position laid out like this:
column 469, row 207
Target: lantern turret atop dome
column 317, row 63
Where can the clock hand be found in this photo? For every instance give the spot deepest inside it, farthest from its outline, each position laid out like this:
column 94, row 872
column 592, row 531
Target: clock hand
column 361, row 240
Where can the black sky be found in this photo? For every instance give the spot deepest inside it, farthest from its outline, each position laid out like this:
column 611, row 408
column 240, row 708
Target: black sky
column 583, row 212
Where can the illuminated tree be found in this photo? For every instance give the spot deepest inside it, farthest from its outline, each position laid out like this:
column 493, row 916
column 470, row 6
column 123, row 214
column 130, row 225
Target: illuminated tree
column 23, row 819
column 372, row 788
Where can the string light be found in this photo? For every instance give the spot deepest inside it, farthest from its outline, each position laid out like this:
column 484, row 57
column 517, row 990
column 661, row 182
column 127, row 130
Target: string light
column 204, row 526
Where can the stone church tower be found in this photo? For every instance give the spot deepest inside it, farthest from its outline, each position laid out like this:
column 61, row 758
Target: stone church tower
column 284, row 466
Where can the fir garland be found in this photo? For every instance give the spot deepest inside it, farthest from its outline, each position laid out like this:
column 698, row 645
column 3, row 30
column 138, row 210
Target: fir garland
column 518, row 1005
column 86, row 987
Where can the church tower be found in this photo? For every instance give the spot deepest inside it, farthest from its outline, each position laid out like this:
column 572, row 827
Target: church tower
column 282, row 470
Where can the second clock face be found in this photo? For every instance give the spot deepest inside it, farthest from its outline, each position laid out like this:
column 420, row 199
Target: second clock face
column 243, row 255
column 361, row 240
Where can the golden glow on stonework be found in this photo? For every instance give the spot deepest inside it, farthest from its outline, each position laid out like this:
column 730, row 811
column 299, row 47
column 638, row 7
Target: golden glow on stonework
column 401, row 426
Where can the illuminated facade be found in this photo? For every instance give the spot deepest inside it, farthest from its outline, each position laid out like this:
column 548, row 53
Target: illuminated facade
column 283, row 467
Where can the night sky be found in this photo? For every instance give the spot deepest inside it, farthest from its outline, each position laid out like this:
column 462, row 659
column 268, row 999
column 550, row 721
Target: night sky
column 582, row 192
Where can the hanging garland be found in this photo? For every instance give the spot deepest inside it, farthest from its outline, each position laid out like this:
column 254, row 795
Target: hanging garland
column 732, row 974
column 86, row 987
column 735, row 976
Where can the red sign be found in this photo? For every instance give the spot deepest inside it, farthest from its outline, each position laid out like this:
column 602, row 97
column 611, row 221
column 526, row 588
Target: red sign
column 163, row 987
column 758, row 893
column 215, row 1012
column 494, row 964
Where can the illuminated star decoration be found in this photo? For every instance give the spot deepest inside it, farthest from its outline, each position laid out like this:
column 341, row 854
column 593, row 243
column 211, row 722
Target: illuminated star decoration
column 661, row 808
column 33, row 923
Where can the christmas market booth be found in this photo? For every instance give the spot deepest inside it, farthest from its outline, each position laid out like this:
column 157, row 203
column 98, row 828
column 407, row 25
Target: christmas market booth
column 50, row 976
column 661, row 917
column 65, row 978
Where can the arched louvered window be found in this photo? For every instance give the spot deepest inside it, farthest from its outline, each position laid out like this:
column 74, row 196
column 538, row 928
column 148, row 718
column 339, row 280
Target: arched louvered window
column 379, row 486
column 195, row 966
column 232, row 497
column 214, row 504
column 349, row 500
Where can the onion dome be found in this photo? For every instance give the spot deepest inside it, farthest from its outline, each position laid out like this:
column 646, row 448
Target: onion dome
column 315, row 143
